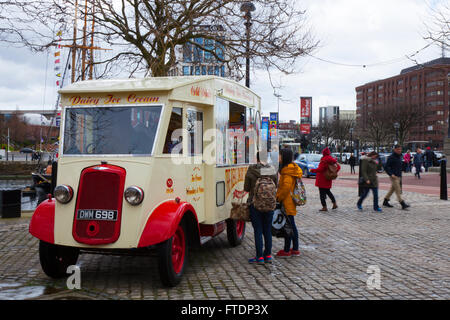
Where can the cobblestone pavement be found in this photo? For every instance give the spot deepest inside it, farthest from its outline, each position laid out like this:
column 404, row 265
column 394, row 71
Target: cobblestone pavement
column 410, row 248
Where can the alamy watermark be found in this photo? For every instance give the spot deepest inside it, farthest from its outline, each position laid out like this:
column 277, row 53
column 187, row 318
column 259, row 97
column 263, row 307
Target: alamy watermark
column 74, row 280
column 374, row 280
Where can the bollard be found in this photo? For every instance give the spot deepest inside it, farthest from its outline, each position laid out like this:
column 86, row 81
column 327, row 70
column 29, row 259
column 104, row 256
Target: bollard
column 10, row 203
column 444, row 193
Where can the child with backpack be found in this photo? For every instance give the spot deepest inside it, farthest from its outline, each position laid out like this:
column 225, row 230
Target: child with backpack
column 326, row 172
column 289, row 173
column 261, row 184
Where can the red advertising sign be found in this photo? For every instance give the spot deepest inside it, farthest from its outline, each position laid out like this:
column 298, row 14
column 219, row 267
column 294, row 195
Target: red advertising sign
column 305, row 107
column 305, row 128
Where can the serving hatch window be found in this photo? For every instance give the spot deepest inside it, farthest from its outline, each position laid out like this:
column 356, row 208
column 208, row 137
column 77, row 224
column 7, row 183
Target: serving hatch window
column 110, row 130
column 236, row 128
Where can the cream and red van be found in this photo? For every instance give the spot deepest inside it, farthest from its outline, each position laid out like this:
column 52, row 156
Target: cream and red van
column 145, row 164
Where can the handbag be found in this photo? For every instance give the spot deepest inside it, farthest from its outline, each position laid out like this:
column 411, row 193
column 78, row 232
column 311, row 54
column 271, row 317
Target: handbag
column 240, row 211
column 281, row 225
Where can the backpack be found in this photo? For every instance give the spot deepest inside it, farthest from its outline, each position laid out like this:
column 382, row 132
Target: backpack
column 265, row 194
column 331, row 172
column 299, row 193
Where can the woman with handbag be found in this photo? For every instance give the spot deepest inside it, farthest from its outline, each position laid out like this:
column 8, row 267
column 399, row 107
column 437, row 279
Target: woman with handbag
column 369, row 180
column 261, row 221
column 289, row 173
column 322, row 181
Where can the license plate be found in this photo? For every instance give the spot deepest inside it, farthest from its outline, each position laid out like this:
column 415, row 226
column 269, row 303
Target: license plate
column 97, row 214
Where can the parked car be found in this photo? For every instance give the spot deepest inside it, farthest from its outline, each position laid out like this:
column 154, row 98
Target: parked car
column 308, row 161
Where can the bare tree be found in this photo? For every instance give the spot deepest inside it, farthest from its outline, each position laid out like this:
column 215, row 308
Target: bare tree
column 341, row 132
column 376, row 129
column 438, row 30
column 326, row 132
column 407, row 116
column 144, row 34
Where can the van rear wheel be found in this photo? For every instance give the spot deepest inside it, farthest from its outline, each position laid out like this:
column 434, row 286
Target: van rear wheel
column 55, row 259
column 172, row 257
column 235, row 231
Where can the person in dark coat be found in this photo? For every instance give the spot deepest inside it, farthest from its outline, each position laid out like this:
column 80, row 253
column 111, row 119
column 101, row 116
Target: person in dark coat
column 261, row 221
column 352, row 163
column 429, row 157
column 418, row 162
column 393, row 169
column 322, row 182
column 369, row 180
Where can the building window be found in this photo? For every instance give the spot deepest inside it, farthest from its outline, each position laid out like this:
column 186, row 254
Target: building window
column 400, row 82
column 186, row 71
column 435, row 83
column 187, row 52
column 198, row 53
column 435, row 93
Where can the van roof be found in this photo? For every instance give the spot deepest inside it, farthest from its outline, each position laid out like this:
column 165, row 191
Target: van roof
column 142, row 84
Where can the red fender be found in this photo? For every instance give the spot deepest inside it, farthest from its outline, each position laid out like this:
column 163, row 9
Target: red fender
column 42, row 224
column 164, row 221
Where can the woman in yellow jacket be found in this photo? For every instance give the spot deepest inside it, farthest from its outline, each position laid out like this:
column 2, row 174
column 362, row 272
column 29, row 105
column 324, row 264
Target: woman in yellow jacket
column 289, row 172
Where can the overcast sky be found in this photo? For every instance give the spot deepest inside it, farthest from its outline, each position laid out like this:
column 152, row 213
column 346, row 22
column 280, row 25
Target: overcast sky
column 356, row 32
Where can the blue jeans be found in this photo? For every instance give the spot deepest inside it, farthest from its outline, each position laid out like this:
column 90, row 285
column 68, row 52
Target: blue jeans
column 262, row 226
column 293, row 239
column 365, row 192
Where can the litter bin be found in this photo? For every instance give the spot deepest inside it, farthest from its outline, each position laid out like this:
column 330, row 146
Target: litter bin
column 10, row 203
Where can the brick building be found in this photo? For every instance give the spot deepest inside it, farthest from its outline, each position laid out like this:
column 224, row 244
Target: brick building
column 426, row 85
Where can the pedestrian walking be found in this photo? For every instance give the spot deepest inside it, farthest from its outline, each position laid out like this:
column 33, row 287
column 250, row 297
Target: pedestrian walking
column 429, row 157
column 418, row 162
column 370, row 165
column 289, row 172
column 393, row 169
column 407, row 159
column 261, row 221
column 352, row 163
column 322, row 182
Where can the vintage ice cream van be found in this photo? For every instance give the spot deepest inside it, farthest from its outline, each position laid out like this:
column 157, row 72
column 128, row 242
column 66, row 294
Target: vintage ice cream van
column 147, row 164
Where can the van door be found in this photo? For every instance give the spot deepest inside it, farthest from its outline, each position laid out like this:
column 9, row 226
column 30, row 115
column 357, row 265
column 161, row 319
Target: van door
column 195, row 184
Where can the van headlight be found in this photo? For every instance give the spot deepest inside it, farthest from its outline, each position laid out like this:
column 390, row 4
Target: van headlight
column 134, row 195
column 63, row 193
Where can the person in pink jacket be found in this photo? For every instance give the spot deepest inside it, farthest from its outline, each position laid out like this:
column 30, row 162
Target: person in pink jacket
column 407, row 158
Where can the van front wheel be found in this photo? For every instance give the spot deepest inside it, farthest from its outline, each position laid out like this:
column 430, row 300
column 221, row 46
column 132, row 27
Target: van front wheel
column 55, row 259
column 172, row 257
column 235, row 231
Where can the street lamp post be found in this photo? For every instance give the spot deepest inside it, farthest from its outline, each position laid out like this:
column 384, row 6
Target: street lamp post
column 396, row 127
column 247, row 7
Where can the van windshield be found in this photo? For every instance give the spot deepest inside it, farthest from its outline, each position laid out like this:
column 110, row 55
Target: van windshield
column 110, row 130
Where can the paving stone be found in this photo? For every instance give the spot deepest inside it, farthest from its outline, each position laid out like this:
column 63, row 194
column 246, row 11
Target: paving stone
column 410, row 248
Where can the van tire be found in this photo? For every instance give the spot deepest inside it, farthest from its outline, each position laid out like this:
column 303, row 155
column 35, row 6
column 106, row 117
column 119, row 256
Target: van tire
column 235, row 232
column 172, row 257
column 55, row 259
